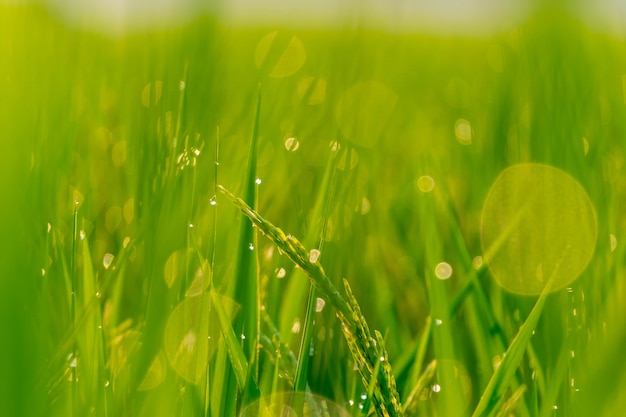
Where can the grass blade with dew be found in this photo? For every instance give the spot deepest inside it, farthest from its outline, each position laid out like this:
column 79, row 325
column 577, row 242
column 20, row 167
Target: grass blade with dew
column 511, row 404
column 481, row 313
column 90, row 337
column 413, row 398
column 363, row 346
column 322, row 203
column 157, row 226
column 74, row 390
column 558, row 379
column 246, row 291
column 451, row 398
column 236, row 352
column 220, row 362
column 505, row 372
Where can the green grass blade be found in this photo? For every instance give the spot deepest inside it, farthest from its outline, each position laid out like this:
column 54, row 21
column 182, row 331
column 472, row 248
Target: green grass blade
column 323, row 199
column 246, row 292
column 233, row 344
column 504, row 374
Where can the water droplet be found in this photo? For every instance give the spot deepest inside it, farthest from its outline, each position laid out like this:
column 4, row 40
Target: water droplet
column 314, row 255
column 555, row 407
column 351, row 403
column 196, row 151
column 98, row 294
column 573, row 354
column 191, row 225
column 425, row 183
column 295, row 328
column 107, row 383
column 81, row 235
column 250, row 246
column 443, row 270
column 438, row 322
column 258, row 181
column 107, row 260
column 243, row 336
column 43, row 272
column 319, row 304
column 49, row 227
column 436, row 388
column 213, row 201
column 181, row 85
column 364, row 396
column 382, row 359
column 126, row 242
column 613, row 242
column 463, row 132
column 334, row 146
column 280, row 273
column 292, row 144
column 477, row 262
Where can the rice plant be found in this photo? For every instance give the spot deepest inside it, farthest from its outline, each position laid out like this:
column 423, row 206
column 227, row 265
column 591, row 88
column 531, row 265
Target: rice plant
column 212, row 220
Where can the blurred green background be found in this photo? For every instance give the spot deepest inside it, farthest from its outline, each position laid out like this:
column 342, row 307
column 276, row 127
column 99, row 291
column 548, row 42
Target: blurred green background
column 109, row 145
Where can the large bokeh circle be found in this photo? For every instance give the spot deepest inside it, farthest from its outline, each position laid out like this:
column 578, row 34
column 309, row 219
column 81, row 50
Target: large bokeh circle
column 537, row 222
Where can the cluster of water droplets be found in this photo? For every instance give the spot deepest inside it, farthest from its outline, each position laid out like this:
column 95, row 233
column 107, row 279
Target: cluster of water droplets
column 190, row 153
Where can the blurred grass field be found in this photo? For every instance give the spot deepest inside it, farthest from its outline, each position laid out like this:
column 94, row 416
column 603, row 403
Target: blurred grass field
column 378, row 148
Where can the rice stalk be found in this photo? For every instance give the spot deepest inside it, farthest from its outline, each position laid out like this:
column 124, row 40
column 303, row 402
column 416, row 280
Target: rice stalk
column 366, row 349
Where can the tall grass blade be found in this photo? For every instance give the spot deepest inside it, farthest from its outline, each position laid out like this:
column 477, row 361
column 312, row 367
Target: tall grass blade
column 246, row 292
column 504, row 374
column 323, row 199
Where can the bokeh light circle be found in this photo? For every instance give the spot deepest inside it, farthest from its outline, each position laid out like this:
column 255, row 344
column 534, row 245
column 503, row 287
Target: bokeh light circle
column 537, row 221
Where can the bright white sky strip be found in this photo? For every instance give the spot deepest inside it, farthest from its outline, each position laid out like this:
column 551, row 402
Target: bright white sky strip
column 439, row 16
